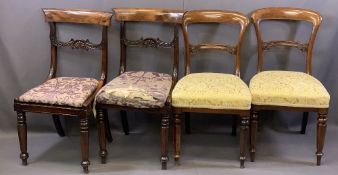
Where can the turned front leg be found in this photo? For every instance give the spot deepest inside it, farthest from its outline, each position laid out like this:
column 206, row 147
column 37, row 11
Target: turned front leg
column 164, row 140
column 253, row 135
column 321, row 131
column 177, row 137
column 100, row 118
column 243, row 139
column 22, row 133
column 84, row 143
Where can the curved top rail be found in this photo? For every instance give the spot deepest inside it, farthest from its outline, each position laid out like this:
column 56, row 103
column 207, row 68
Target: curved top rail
column 77, row 16
column 148, row 15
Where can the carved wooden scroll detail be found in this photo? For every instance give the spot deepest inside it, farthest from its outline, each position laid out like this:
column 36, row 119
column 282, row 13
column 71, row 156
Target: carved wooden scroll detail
column 301, row 46
column 149, row 42
column 76, row 44
column 198, row 48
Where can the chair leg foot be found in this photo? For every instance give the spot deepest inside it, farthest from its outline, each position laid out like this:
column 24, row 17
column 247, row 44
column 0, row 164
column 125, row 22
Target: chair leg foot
column 252, row 156
column 319, row 158
column 85, row 165
column 164, row 161
column 242, row 160
column 103, row 155
column 24, row 157
column 177, row 160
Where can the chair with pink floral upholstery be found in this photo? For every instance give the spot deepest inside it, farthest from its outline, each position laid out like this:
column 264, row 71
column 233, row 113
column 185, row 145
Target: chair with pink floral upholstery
column 67, row 96
column 141, row 90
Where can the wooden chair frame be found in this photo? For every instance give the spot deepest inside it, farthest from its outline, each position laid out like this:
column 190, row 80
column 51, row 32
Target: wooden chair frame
column 54, row 16
column 126, row 15
column 213, row 16
column 291, row 14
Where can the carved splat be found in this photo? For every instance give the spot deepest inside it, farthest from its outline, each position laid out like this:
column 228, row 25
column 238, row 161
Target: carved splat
column 76, row 44
column 148, row 42
column 301, row 46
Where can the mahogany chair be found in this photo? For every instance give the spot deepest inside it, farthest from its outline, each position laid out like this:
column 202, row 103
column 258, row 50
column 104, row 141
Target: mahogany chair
column 141, row 90
column 216, row 93
column 288, row 90
column 66, row 96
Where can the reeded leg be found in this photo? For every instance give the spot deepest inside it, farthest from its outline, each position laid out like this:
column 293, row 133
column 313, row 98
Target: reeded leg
column 234, row 125
column 58, row 126
column 177, row 137
column 164, row 140
column 124, row 120
column 321, row 131
column 187, row 123
column 107, row 126
column 22, row 133
column 304, row 122
column 243, row 138
column 84, row 143
column 101, row 125
column 253, row 135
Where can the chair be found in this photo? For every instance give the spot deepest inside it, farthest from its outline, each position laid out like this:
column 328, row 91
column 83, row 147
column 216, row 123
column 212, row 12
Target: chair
column 141, row 90
column 288, row 90
column 67, row 96
column 216, row 93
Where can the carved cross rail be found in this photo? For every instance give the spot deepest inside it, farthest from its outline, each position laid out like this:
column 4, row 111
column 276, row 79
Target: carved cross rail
column 149, row 42
column 228, row 48
column 301, row 46
column 76, row 44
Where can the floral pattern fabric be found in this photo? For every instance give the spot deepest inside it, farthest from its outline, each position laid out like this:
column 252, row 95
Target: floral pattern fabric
column 65, row 91
column 288, row 88
column 137, row 89
column 211, row 91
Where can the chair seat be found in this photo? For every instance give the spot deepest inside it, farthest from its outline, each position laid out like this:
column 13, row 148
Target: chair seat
column 137, row 89
column 65, row 91
column 212, row 91
column 287, row 88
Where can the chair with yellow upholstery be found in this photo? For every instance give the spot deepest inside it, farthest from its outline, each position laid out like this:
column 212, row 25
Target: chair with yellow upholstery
column 288, row 90
column 141, row 90
column 217, row 93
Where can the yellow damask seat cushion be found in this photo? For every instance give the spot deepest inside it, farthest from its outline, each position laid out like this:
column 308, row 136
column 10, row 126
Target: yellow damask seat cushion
column 212, row 91
column 288, row 88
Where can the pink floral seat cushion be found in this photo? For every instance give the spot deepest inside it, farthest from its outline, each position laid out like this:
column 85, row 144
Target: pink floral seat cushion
column 65, row 91
column 136, row 89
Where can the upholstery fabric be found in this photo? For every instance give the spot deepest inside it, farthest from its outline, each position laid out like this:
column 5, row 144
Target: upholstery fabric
column 65, row 91
column 287, row 88
column 212, row 91
column 137, row 89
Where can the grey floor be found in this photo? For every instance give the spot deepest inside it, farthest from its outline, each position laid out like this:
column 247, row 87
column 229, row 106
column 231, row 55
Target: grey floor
column 206, row 151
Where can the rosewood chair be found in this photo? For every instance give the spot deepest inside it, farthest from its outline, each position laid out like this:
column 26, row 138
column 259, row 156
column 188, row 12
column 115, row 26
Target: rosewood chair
column 141, row 90
column 288, row 90
column 217, row 93
column 67, row 96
